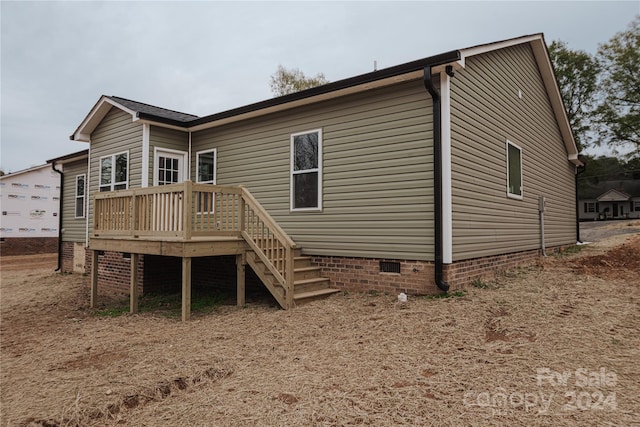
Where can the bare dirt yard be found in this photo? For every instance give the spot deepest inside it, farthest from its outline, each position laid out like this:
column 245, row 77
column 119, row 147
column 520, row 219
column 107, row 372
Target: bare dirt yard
column 554, row 344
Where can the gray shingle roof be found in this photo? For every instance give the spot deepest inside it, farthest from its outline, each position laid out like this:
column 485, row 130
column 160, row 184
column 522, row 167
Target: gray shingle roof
column 151, row 110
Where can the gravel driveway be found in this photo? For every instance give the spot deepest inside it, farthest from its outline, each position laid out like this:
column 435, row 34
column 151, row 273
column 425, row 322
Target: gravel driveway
column 593, row 231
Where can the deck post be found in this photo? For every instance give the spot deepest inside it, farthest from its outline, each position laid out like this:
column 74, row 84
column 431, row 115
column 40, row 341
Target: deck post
column 133, row 293
column 289, row 272
column 241, row 261
column 186, row 288
column 187, row 200
column 94, row 278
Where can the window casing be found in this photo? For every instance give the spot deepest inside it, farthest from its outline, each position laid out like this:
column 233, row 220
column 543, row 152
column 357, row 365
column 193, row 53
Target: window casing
column 590, row 207
column 206, row 166
column 306, row 171
column 114, row 172
column 81, row 188
column 514, row 171
column 636, row 206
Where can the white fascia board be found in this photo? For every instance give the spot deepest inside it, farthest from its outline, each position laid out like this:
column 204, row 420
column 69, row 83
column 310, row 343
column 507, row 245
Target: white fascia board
column 95, row 116
column 489, row 47
column 543, row 60
column 311, row 100
column 162, row 125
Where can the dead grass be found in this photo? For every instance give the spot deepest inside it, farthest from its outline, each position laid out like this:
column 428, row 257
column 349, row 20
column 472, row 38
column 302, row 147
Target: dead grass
column 351, row 360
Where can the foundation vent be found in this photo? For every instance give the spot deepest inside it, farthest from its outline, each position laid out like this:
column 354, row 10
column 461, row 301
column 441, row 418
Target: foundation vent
column 389, row 267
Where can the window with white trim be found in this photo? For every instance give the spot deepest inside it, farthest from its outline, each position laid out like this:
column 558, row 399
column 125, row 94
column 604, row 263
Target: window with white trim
column 306, row 171
column 114, row 172
column 514, row 171
column 589, row 207
column 206, row 174
column 206, row 161
column 636, row 206
column 81, row 189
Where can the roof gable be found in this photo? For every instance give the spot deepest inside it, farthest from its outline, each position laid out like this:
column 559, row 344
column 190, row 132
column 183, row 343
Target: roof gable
column 137, row 110
column 613, row 195
column 539, row 47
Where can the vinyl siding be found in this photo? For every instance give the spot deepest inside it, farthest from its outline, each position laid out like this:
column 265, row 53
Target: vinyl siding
column 377, row 171
column 74, row 228
column 486, row 110
column 115, row 134
column 160, row 137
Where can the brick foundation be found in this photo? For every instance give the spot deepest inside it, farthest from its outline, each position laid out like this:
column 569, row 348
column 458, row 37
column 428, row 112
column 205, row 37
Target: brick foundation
column 156, row 273
column 417, row 277
column 363, row 274
column 462, row 273
column 28, row 245
column 114, row 273
column 164, row 274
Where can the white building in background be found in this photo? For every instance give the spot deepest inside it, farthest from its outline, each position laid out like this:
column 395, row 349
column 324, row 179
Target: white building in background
column 29, row 204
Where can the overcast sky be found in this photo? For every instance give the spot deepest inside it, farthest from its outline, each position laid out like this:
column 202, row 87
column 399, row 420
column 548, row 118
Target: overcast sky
column 206, row 57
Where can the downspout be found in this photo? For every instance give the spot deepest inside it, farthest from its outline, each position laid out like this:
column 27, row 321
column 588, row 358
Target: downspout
column 579, row 170
column 53, row 166
column 437, row 179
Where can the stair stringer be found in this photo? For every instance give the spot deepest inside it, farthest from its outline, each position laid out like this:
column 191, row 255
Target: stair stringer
column 278, row 291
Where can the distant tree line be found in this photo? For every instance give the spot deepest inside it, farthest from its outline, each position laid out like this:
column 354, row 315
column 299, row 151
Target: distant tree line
column 605, row 168
column 601, row 92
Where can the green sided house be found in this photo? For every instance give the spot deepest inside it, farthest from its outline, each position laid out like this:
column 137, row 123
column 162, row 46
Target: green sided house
column 414, row 178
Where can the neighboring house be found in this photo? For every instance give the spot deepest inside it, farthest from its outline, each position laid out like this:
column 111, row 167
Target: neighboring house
column 29, row 205
column 73, row 201
column 410, row 179
column 610, row 200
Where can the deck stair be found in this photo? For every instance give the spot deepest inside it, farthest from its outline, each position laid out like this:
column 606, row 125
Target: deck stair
column 195, row 220
column 308, row 283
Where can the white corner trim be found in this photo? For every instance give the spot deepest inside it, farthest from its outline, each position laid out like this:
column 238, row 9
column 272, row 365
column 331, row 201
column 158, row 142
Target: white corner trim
column 146, row 130
column 447, row 209
column 88, row 213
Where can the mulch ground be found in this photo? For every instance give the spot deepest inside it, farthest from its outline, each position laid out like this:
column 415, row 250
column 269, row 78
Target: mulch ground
column 554, row 344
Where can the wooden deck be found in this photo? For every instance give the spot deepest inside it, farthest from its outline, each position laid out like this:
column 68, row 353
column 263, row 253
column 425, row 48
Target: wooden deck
column 196, row 220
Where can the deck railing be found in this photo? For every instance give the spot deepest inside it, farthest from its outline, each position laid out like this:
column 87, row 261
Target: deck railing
column 187, row 210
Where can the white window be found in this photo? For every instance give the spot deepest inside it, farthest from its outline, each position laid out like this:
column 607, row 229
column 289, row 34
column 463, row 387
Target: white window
column 306, row 171
column 114, row 172
column 636, row 206
column 80, row 195
column 589, row 207
column 206, row 161
column 514, row 171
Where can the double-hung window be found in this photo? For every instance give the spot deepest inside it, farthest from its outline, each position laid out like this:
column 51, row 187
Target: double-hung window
column 514, row 171
column 306, row 171
column 114, row 172
column 206, row 161
column 206, row 174
column 80, row 195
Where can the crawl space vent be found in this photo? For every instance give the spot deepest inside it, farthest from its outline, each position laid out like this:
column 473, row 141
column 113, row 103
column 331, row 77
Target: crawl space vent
column 389, row 267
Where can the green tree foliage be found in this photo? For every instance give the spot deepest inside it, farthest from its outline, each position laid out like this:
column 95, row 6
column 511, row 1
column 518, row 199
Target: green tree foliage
column 607, row 168
column 619, row 113
column 284, row 81
column 577, row 74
